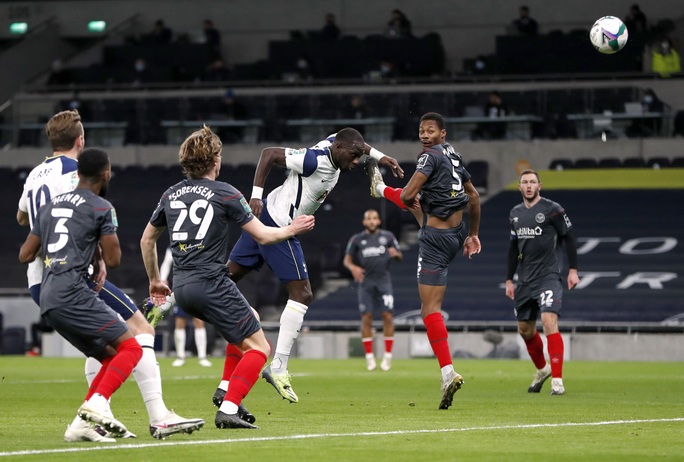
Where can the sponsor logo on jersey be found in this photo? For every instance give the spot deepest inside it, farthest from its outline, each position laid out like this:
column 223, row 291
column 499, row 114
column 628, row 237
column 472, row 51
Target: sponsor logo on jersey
column 245, row 205
column 295, row 152
column 373, row 251
column 528, row 233
column 115, row 220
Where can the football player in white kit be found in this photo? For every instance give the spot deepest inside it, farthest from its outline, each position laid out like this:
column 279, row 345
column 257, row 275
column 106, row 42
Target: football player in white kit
column 313, row 175
column 58, row 175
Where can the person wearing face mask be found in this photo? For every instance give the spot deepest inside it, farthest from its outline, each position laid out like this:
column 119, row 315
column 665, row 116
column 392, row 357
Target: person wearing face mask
column 642, row 128
column 665, row 60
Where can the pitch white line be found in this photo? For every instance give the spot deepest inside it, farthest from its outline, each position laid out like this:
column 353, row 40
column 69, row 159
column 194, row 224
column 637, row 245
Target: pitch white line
column 110, row 447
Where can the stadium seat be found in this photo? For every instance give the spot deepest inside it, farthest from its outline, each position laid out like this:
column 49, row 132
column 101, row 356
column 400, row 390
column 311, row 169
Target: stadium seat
column 586, row 162
column 678, row 162
column 561, row 164
column 479, row 170
column 634, row 162
column 609, row 162
column 13, row 341
column 658, row 162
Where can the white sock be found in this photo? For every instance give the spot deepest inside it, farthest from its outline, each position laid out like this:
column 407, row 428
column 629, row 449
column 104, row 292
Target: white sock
column 380, row 189
column 179, row 338
column 228, row 408
column 446, row 370
column 92, row 368
column 290, row 323
column 148, row 378
column 223, row 385
column 201, row 342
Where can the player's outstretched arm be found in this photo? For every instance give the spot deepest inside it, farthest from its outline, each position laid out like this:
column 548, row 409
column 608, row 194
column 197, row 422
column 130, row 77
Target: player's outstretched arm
column 384, row 160
column 266, row 235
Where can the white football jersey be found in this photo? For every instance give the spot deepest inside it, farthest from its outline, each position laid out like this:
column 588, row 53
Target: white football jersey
column 313, row 175
column 56, row 175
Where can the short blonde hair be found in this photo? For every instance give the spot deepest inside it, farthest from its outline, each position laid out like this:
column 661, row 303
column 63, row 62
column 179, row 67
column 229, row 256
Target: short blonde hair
column 199, row 152
column 63, row 129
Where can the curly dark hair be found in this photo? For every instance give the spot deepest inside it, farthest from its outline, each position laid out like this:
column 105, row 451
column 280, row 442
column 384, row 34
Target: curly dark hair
column 199, row 152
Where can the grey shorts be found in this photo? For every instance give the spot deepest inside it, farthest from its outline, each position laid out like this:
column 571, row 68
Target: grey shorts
column 376, row 297
column 89, row 326
column 540, row 296
column 219, row 302
column 436, row 249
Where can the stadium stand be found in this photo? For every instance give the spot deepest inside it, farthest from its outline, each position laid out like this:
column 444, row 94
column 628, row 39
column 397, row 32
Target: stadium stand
column 621, row 265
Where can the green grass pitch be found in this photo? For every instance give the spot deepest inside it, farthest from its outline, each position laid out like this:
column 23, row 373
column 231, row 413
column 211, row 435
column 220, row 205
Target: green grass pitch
column 611, row 411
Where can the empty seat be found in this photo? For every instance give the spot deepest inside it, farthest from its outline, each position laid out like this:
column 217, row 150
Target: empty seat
column 634, row 162
column 609, row 162
column 479, row 171
column 586, row 162
column 678, row 162
column 561, row 164
column 658, row 162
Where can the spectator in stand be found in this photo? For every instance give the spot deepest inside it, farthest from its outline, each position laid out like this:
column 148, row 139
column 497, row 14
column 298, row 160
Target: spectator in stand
column 160, row 35
column 212, row 37
column 495, row 108
column 140, row 72
column 643, row 128
column 636, row 21
column 330, row 30
column 665, row 60
column 231, row 109
column 525, row 25
column 356, row 109
column 398, row 26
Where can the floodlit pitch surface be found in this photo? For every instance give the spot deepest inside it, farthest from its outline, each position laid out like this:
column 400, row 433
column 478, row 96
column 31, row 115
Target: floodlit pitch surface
column 611, row 411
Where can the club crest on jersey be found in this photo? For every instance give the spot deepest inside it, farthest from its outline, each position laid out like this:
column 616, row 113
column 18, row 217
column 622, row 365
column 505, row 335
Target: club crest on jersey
column 540, row 218
column 382, row 240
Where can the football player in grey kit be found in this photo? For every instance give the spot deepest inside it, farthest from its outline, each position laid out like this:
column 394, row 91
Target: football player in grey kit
column 538, row 228
column 197, row 212
column 65, row 235
column 437, row 193
column 368, row 257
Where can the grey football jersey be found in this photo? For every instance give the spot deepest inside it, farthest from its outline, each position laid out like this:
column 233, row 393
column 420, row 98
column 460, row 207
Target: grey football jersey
column 197, row 213
column 371, row 252
column 443, row 193
column 69, row 227
column 537, row 231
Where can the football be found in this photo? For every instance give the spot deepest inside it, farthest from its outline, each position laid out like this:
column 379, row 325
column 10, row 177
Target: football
column 608, row 35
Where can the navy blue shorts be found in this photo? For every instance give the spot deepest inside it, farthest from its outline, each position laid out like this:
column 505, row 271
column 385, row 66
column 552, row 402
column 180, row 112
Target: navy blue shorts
column 114, row 297
column 539, row 296
column 219, row 302
column 90, row 325
column 436, row 249
column 286, row 258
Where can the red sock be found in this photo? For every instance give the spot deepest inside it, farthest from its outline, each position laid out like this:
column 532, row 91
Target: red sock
column 368, row 345
column 394, row 195
column 439, row 338
column 389, row 343
column 555, row 346
column 245, row 375
column 233, row 357
column 98, row 378
column 535, row 348
column 120, row 367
